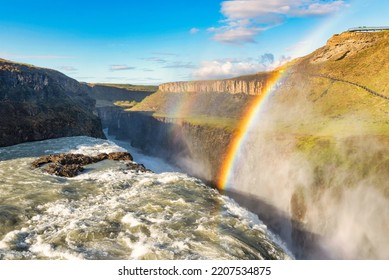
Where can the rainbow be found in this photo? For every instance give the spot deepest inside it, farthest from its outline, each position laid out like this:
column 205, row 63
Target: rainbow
column 228, row 165
column 183, row 107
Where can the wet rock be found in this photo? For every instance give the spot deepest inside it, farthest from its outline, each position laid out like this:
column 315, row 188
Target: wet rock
column 137, row 167
column 70, row 165
column 120, row 156
column 67, row 159
column 68, row 170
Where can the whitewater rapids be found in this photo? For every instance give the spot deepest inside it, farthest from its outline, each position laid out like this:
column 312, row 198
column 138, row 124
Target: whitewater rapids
column 110, row 212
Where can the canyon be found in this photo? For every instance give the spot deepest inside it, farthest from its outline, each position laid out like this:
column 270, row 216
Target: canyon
column 313, row 164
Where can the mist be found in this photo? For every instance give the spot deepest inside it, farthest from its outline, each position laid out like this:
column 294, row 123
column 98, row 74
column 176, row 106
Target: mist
column 327, row 196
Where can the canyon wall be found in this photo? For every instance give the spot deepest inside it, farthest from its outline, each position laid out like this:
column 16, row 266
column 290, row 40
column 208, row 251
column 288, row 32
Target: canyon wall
column 197, row 149
column 38, row 103
column 251, row 85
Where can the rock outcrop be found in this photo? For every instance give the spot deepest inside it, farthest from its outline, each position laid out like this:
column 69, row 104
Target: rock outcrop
column 347, row 44
column 251, row 85
column 70, row 165
column 38, row 104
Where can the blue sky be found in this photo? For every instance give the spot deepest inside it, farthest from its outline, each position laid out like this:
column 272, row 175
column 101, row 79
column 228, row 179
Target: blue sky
column 151, row 42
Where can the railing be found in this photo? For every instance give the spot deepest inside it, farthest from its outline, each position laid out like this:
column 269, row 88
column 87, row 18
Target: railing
column 368, row 29
column 355, row 84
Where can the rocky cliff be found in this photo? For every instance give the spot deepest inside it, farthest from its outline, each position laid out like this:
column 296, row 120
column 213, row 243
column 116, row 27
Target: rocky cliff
column 37, row 104
column 347, row 44
column 196, row 149
column 251, row 85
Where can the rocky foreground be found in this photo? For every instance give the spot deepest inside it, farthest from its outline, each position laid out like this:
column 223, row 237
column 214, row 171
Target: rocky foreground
column 71, row 165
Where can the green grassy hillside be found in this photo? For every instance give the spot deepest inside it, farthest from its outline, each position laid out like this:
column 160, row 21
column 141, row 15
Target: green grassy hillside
column 340, row 88
column 212, row 109
column 123, row 95
column 344, row 85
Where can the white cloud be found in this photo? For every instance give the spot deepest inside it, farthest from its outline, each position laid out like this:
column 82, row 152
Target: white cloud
column 227, row 68
column 115, row 78
column 280, row 61
column 219, row 70
column 250, row 9
column 68, row 68
column 238, row 9
column 235, row 35
column 180, row 64
column 155, row 59
column 245, row 19
column 120, row 67
column 194, row 30
column 321, row 8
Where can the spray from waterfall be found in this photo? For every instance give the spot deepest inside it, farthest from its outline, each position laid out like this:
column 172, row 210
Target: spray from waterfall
column 325, row 195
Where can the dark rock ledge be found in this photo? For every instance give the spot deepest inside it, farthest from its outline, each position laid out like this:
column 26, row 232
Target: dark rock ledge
column 70, row 165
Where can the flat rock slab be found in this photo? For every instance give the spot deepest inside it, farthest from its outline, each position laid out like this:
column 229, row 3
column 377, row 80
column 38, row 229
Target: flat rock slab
column 70, row 165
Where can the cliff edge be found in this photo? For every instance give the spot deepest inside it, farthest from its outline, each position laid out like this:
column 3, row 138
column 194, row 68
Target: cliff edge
column 250, row 85
column 38, row 103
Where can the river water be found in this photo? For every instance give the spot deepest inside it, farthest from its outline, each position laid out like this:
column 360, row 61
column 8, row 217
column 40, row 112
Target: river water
column 110, row 212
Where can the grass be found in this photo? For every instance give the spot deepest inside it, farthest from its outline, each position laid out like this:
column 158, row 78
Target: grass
column 354, row 160
column 125, row 103
column 338, row 108
column 227, row 124
column 129, row 87
column 196, row 105
column 126, row 96
column 217, row 110
column 21, row 63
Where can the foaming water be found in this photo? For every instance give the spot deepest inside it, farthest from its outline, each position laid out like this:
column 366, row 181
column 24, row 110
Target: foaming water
column 110, row 212
column 156, row 164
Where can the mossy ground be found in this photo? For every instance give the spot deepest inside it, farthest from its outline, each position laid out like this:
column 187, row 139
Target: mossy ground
column 129, row 87
column 125, row 96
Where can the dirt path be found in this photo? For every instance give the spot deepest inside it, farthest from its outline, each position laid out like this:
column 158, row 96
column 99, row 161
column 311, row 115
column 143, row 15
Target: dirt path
column 354, row 84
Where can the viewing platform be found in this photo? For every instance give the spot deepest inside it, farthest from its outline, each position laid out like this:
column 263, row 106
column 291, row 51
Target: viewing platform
column 368, row 29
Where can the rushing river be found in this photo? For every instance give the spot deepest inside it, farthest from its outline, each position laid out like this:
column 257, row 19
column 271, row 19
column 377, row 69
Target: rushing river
column 110, row 212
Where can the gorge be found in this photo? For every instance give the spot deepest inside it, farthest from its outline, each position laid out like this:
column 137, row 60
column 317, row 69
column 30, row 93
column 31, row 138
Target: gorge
column 303, row 147
column 80, row 204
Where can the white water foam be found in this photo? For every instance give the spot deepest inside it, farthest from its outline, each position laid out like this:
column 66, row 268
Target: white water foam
column 115, row 213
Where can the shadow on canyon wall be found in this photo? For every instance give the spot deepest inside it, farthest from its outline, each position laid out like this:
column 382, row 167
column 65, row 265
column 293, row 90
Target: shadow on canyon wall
column 196, row 149
column 303, row 243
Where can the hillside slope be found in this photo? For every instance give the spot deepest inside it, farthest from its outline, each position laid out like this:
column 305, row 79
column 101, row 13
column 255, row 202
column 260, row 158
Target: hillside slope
column 347, row 78
column 123, row 95
column 344, row 82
